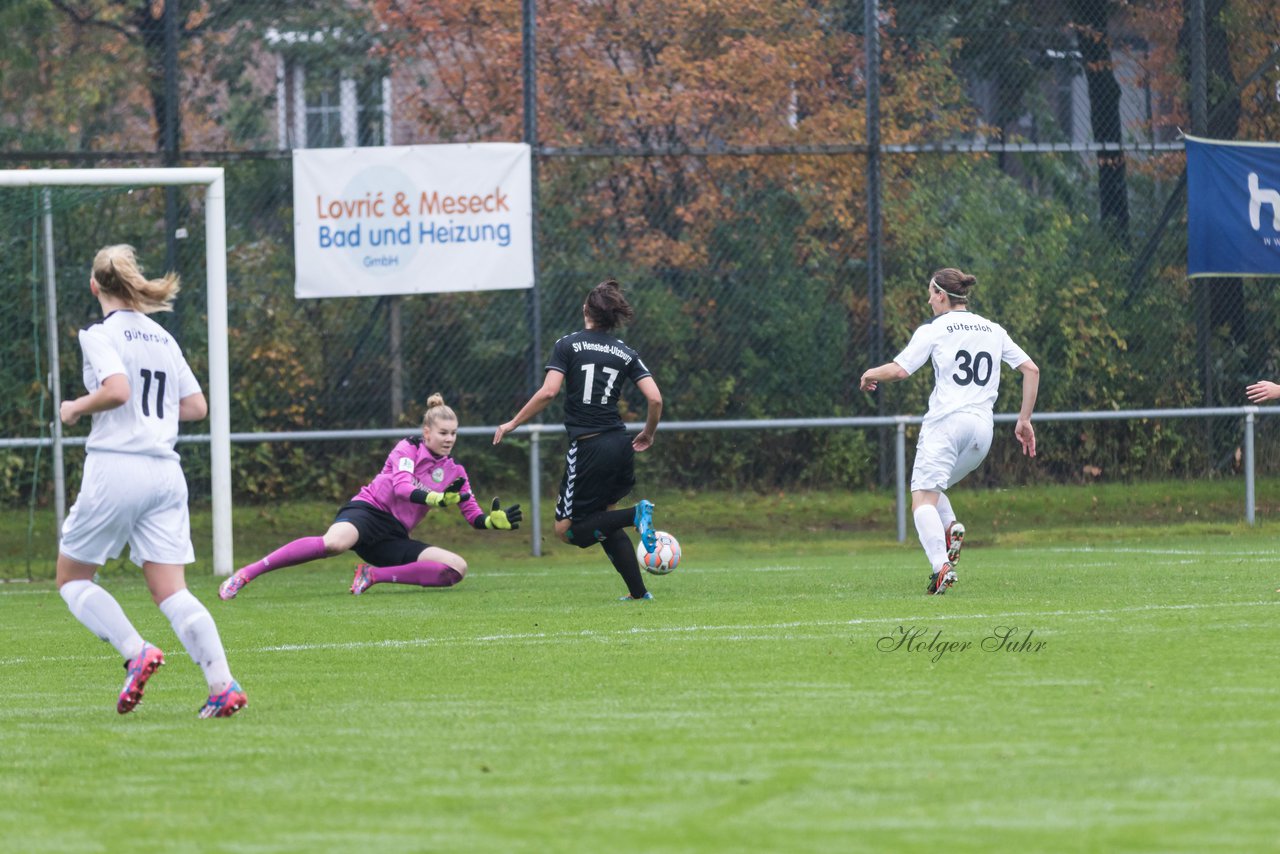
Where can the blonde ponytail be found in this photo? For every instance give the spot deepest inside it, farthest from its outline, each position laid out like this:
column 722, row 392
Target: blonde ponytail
column 118, row 274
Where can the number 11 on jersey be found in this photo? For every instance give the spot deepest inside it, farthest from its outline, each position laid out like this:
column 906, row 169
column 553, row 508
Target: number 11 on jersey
column 146, row 392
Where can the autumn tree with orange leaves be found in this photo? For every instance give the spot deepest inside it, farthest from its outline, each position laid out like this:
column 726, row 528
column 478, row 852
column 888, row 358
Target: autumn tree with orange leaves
column 667, row 76
column 635, row 85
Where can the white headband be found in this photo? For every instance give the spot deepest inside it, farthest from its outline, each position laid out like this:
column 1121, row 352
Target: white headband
column 933, row 283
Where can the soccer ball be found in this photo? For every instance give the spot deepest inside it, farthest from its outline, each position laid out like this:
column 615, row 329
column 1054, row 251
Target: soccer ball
column 665, row 556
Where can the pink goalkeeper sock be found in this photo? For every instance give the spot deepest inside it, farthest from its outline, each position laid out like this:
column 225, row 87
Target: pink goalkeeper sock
column 424, row 573
column 291, row 554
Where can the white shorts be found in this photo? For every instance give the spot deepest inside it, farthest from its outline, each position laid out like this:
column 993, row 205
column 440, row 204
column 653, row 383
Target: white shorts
column 948, row 450
column 133, row 498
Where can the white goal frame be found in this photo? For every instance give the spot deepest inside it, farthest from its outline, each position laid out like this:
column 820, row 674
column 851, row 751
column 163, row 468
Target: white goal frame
column 215, row 230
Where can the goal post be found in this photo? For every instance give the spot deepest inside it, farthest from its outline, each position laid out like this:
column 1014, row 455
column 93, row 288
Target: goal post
column 213, row 180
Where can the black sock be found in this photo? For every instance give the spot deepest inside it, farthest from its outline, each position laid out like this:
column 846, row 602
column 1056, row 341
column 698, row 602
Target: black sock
column 597, row 527
column 623, row 556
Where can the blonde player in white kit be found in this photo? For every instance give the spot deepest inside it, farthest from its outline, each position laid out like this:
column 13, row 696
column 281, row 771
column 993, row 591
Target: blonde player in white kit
column 966, row 350
column 133, row 489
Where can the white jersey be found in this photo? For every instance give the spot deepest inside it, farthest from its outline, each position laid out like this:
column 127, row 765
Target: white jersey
column 130, row 343
column 966, row 350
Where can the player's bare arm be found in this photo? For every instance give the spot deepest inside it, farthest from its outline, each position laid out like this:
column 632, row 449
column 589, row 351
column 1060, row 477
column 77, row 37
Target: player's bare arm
column 653, row 397
column 541, row 400
column 1023, row 431
column 113, row 393
column 889, row 372
column 193, row 407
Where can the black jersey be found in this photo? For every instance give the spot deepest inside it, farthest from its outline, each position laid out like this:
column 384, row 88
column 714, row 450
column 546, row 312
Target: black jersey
column 594, row 365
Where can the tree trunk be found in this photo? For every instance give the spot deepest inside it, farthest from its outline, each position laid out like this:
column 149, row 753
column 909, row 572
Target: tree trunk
column 1090, row 18
column 151, row 32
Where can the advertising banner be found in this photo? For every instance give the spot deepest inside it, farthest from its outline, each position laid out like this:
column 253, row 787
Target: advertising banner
column 1233, row 208
column 412, row 219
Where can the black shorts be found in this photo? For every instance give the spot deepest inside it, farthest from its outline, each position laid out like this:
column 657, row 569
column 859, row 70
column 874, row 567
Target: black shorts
column 598, row 471
column 383, row 540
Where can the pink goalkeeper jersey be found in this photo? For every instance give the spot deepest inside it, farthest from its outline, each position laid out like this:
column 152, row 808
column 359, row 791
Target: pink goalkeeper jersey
column 410, row 466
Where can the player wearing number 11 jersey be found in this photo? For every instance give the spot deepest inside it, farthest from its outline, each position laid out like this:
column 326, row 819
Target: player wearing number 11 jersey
column 966, row 350
column 133, row 491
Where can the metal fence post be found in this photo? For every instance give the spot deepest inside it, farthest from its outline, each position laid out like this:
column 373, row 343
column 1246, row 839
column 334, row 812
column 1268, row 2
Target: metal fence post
column 529, row 71
column 535, row 492
column 1250, row 413
column 900, row 477
column 875, row 262
column 55, row 367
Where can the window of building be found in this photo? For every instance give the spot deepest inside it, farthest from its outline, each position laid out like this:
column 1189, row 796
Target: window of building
column 325, row 108
column 322, row 111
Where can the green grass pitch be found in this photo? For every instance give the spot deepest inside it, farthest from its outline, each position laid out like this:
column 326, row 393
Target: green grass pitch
column 765, row 701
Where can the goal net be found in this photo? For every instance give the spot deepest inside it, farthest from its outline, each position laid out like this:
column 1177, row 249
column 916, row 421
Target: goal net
column 52, row 222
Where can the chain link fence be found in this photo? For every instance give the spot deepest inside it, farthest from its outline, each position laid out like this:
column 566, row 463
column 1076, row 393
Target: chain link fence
column 715, row 160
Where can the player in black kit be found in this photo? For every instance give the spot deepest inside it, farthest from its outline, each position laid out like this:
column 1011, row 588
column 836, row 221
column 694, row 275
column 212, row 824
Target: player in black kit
column 600, row 463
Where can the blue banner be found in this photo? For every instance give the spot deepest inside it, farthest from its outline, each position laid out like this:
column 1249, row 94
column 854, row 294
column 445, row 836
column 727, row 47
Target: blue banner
column 1233, row 208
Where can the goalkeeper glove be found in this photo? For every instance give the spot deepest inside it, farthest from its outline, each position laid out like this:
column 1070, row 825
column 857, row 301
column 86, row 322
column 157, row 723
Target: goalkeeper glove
column 452, row 495
column 503, row 520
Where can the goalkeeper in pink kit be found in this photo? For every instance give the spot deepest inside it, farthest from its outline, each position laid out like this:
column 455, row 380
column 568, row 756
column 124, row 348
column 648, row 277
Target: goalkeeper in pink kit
column 418, row 476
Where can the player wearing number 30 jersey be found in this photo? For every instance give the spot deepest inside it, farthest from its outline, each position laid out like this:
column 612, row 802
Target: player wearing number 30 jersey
column 966, row 350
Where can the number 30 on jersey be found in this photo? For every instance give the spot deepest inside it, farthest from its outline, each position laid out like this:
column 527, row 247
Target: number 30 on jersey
column 973, row 369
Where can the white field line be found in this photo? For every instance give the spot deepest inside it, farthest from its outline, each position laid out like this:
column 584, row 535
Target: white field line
column 43, row 588
column 714, row 632
column 21, row 589
column 1135, row 551
column 18, row 586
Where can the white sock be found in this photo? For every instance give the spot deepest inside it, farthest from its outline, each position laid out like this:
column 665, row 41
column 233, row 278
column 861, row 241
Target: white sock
column 193, row 624
column 101, row 614
column 932, row 535
column 945, row 513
